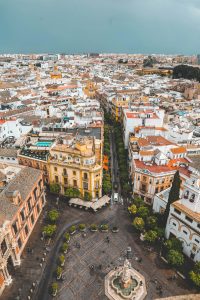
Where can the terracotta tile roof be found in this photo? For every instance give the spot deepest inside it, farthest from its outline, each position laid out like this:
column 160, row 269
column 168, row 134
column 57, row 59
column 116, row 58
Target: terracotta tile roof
column 137, row 129
column 146, row 153
column 143, row 142
column 158, row 140
column 154, row 168
column 178, row 150
column 194, row 215
column 154, row 141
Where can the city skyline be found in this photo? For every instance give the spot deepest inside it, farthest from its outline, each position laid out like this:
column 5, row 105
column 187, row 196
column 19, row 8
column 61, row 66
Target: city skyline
column 170, row 27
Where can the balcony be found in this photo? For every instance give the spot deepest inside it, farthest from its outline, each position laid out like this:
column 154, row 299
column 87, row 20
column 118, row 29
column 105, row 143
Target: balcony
column 185, row 196
column 85, row 179
column 192, row 200
column 64, row 174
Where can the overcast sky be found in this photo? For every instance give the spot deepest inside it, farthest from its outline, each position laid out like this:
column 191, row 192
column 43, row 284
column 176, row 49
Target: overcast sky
column 76, row 26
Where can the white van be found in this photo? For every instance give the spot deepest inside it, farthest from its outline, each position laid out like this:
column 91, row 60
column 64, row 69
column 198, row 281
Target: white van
column 115, row 197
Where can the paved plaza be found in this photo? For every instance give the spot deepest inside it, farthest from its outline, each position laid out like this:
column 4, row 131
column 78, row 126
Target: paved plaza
column 81, row 281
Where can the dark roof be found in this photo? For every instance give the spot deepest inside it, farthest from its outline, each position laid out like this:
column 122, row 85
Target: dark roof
column 22, row 182
column 8, row 152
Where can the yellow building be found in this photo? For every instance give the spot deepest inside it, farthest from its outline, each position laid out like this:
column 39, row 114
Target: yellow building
column 56, row 74
column 90, row 89
column 78, row 165
column 119, row 102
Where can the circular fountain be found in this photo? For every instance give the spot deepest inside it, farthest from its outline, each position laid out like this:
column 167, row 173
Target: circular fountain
column 125, row 283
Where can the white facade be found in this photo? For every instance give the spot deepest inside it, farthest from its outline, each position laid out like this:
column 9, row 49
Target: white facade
column 184, row 218
column 14, row 128
column 132, row 119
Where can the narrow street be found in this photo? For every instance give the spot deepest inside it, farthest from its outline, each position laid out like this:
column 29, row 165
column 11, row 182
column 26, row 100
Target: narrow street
column 114, row 163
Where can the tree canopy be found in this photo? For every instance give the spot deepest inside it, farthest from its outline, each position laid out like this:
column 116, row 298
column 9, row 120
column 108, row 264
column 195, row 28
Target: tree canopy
column 173, row 194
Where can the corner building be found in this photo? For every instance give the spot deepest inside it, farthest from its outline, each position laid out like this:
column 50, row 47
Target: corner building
column 77, row 164
column 21, row 203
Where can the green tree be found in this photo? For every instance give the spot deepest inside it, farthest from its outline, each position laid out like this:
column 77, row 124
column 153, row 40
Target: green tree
column 151, row 222
column 87, row 196
column 175, row 258
column 53, row 215
column 132, row 209
column 55, row 188
column 107, row 186
column 126, row 189
column 138, row 223
column 194, row 275
column 160, row 231
column 151, row 236
column 174, row 244
column 65, row 247
column 195, row 278
column 82, row 226
column 143, row 211
column 61, row 259
column 54, row 287
column 72, row 192
column 173, row 194
column 67, row 236
column 59, row 271
column 138, row 201
column 72, row 229
column 49, row 230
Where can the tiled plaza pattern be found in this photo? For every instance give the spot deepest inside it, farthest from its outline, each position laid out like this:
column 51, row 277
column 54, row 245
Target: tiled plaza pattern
column 81, row 282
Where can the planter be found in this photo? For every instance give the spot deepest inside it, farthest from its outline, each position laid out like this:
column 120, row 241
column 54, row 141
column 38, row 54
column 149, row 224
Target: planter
column 93, row 230
column 54, row 293
column 62, row 264
column 73, row 232
column 82, row 230
column 104, row 230
column 59, row 277
column 115, row 230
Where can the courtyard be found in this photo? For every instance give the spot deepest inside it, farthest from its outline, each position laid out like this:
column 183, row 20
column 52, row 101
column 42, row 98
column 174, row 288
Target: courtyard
column 87, row 264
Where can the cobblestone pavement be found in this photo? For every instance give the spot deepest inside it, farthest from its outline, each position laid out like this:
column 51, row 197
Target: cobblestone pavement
column 80, row 282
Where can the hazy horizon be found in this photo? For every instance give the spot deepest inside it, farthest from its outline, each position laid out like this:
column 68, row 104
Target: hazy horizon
column 106, row 26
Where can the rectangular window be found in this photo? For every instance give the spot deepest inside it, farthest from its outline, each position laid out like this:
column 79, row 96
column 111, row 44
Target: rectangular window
column 177, row 211
column 55, row 169
column 198, row 225
column 188, row 219
column 40, row 185
column 64, row 172
column 35, row 193
column 75, row 183
column 197, row 241
column 32, row 219
column 174, row 224
column 14, row 226
column 74, row 173
column 26, row 230
column 22, row 214
column 65, row 181
column 4, row 246
column 185, row 232
column 38, row 208
column 85, row 185
column 19, row 242
column 56, row 179
column 29, row 204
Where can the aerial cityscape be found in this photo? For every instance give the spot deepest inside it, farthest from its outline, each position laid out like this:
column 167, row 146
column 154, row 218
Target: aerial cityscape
column 100, row 150
column 99, row 176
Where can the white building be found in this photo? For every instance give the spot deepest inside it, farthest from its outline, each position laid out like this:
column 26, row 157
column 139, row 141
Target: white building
column 13, row 127
column 140, row 117
column 184, row 217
